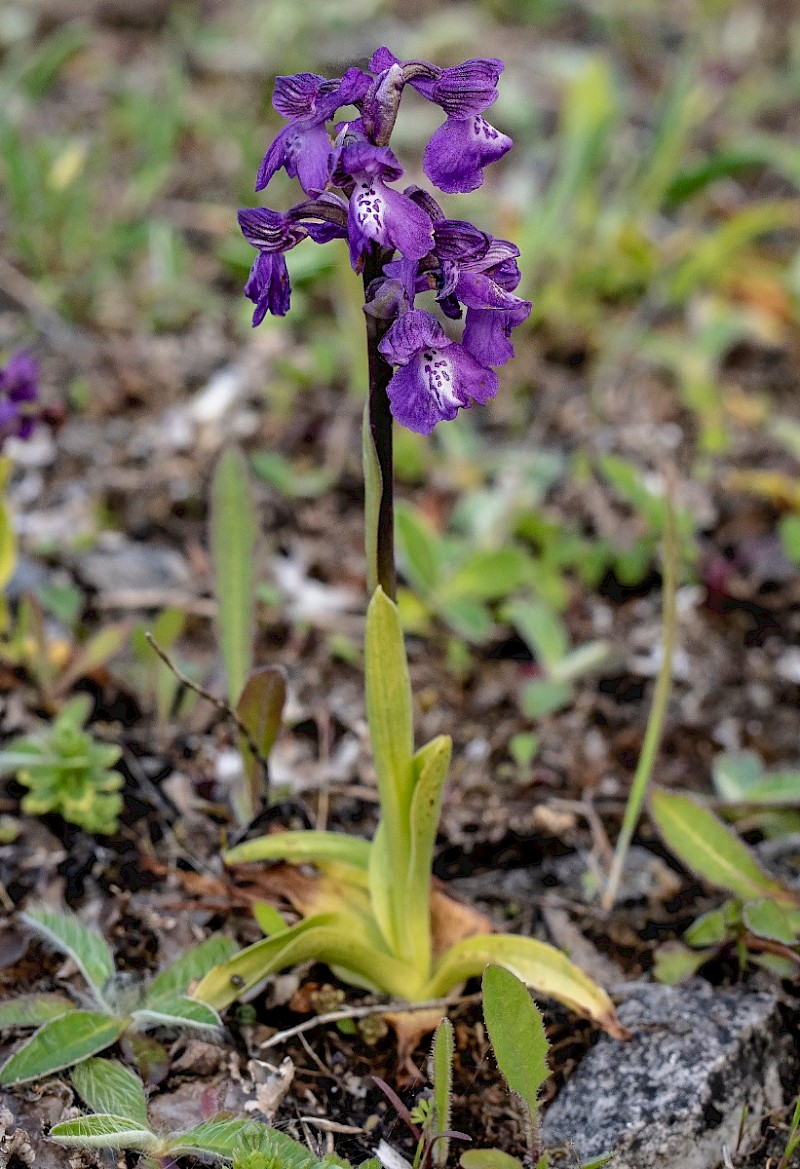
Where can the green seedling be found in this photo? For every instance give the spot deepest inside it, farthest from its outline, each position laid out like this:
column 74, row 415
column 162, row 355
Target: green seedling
column 517, row 1033
column 762, row 921
column 452, row 580
column 112, row 1010
column 67, row 771
column 119, row 1121
column 429, row 1120
column 770, row 799
column 369, row 914
column 154, row 678
column 560, row 666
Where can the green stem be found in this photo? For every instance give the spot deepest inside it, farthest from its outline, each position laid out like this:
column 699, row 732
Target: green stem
column 378, row 467
column 658, row 710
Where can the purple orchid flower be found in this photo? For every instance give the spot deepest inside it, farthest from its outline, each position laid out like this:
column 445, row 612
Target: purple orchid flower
column 460, row 149
column 304, row 147
column 19, row 391
column 273, row 234
column 377, row 213
column 436, row 376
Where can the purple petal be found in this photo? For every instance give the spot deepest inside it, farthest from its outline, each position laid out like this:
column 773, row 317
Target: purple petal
column 477, row 290
column 458, row 151
column 311, row 160
column 268, row 286
column 305, row 151
column 19, row 379
column 386, row 217
column 276, row 156
column 382, row 58
column 487, row 332
column 435, row 384
column 469, row 88
column 410, row 335
column 269, row 231
column 295, row 96
column 352, row 87
column 363, row 160
column 456, row 239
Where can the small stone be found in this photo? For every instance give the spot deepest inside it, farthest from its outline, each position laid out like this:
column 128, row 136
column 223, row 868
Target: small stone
column 673, row 1096
column 118, row 563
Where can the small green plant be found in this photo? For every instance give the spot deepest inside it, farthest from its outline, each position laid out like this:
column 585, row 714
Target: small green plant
column 369, row 916
column 768, row 799
column 115, row 1009
column 429, row 1120
column 761, row 923
column 67, row 771
column 793, row 1139
column 119, row 1121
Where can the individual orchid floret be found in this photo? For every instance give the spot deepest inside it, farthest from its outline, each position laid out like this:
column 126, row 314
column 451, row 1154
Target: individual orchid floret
column 377, row 213
column 274, row 233
column 436, row 376
column 304, row 147
column 19, row 394
column 459, row 150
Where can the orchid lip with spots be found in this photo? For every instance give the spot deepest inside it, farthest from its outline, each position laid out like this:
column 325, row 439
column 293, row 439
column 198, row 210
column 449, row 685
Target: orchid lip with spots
column 336, row 143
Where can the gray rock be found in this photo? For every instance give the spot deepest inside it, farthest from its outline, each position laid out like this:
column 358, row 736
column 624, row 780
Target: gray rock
column 118, row 563
column 673, row 1096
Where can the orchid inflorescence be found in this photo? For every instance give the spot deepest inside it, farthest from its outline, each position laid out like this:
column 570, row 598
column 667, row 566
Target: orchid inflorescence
column 403, row 241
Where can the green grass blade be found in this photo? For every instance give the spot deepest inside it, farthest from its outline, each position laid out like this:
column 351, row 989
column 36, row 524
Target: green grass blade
column 302, row 847
column 233, row 530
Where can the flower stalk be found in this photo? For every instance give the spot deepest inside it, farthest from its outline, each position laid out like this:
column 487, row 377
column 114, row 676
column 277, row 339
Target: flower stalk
column 378, row 489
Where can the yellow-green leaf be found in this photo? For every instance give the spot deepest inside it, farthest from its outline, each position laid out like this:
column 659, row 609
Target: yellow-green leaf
column 540, row 965
column 709, row 849
column 233, row 539
column 302, row 847
column 431, row 765
column 389, row 713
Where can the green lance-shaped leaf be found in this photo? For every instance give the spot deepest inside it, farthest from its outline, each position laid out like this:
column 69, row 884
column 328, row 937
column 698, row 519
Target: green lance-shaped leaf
column 767, row 919
column 86, row 947
column 31, row 1010
column 8, row 540
column 420, row 549
column 384, row 873
column 708, row 848
column 177, row 1011
column 197, row 962
column 233, row 539
column 389, row 710
column 333, row 938
column 488, row 1159
column 260, row 708
column 442, row 1077
column 61, row 1043
column 302, row 847
column 221, row 1137
column 109, row 1087
column 540, row 965
column 431, row 765
column 105, row 1132
column 516, row 1029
